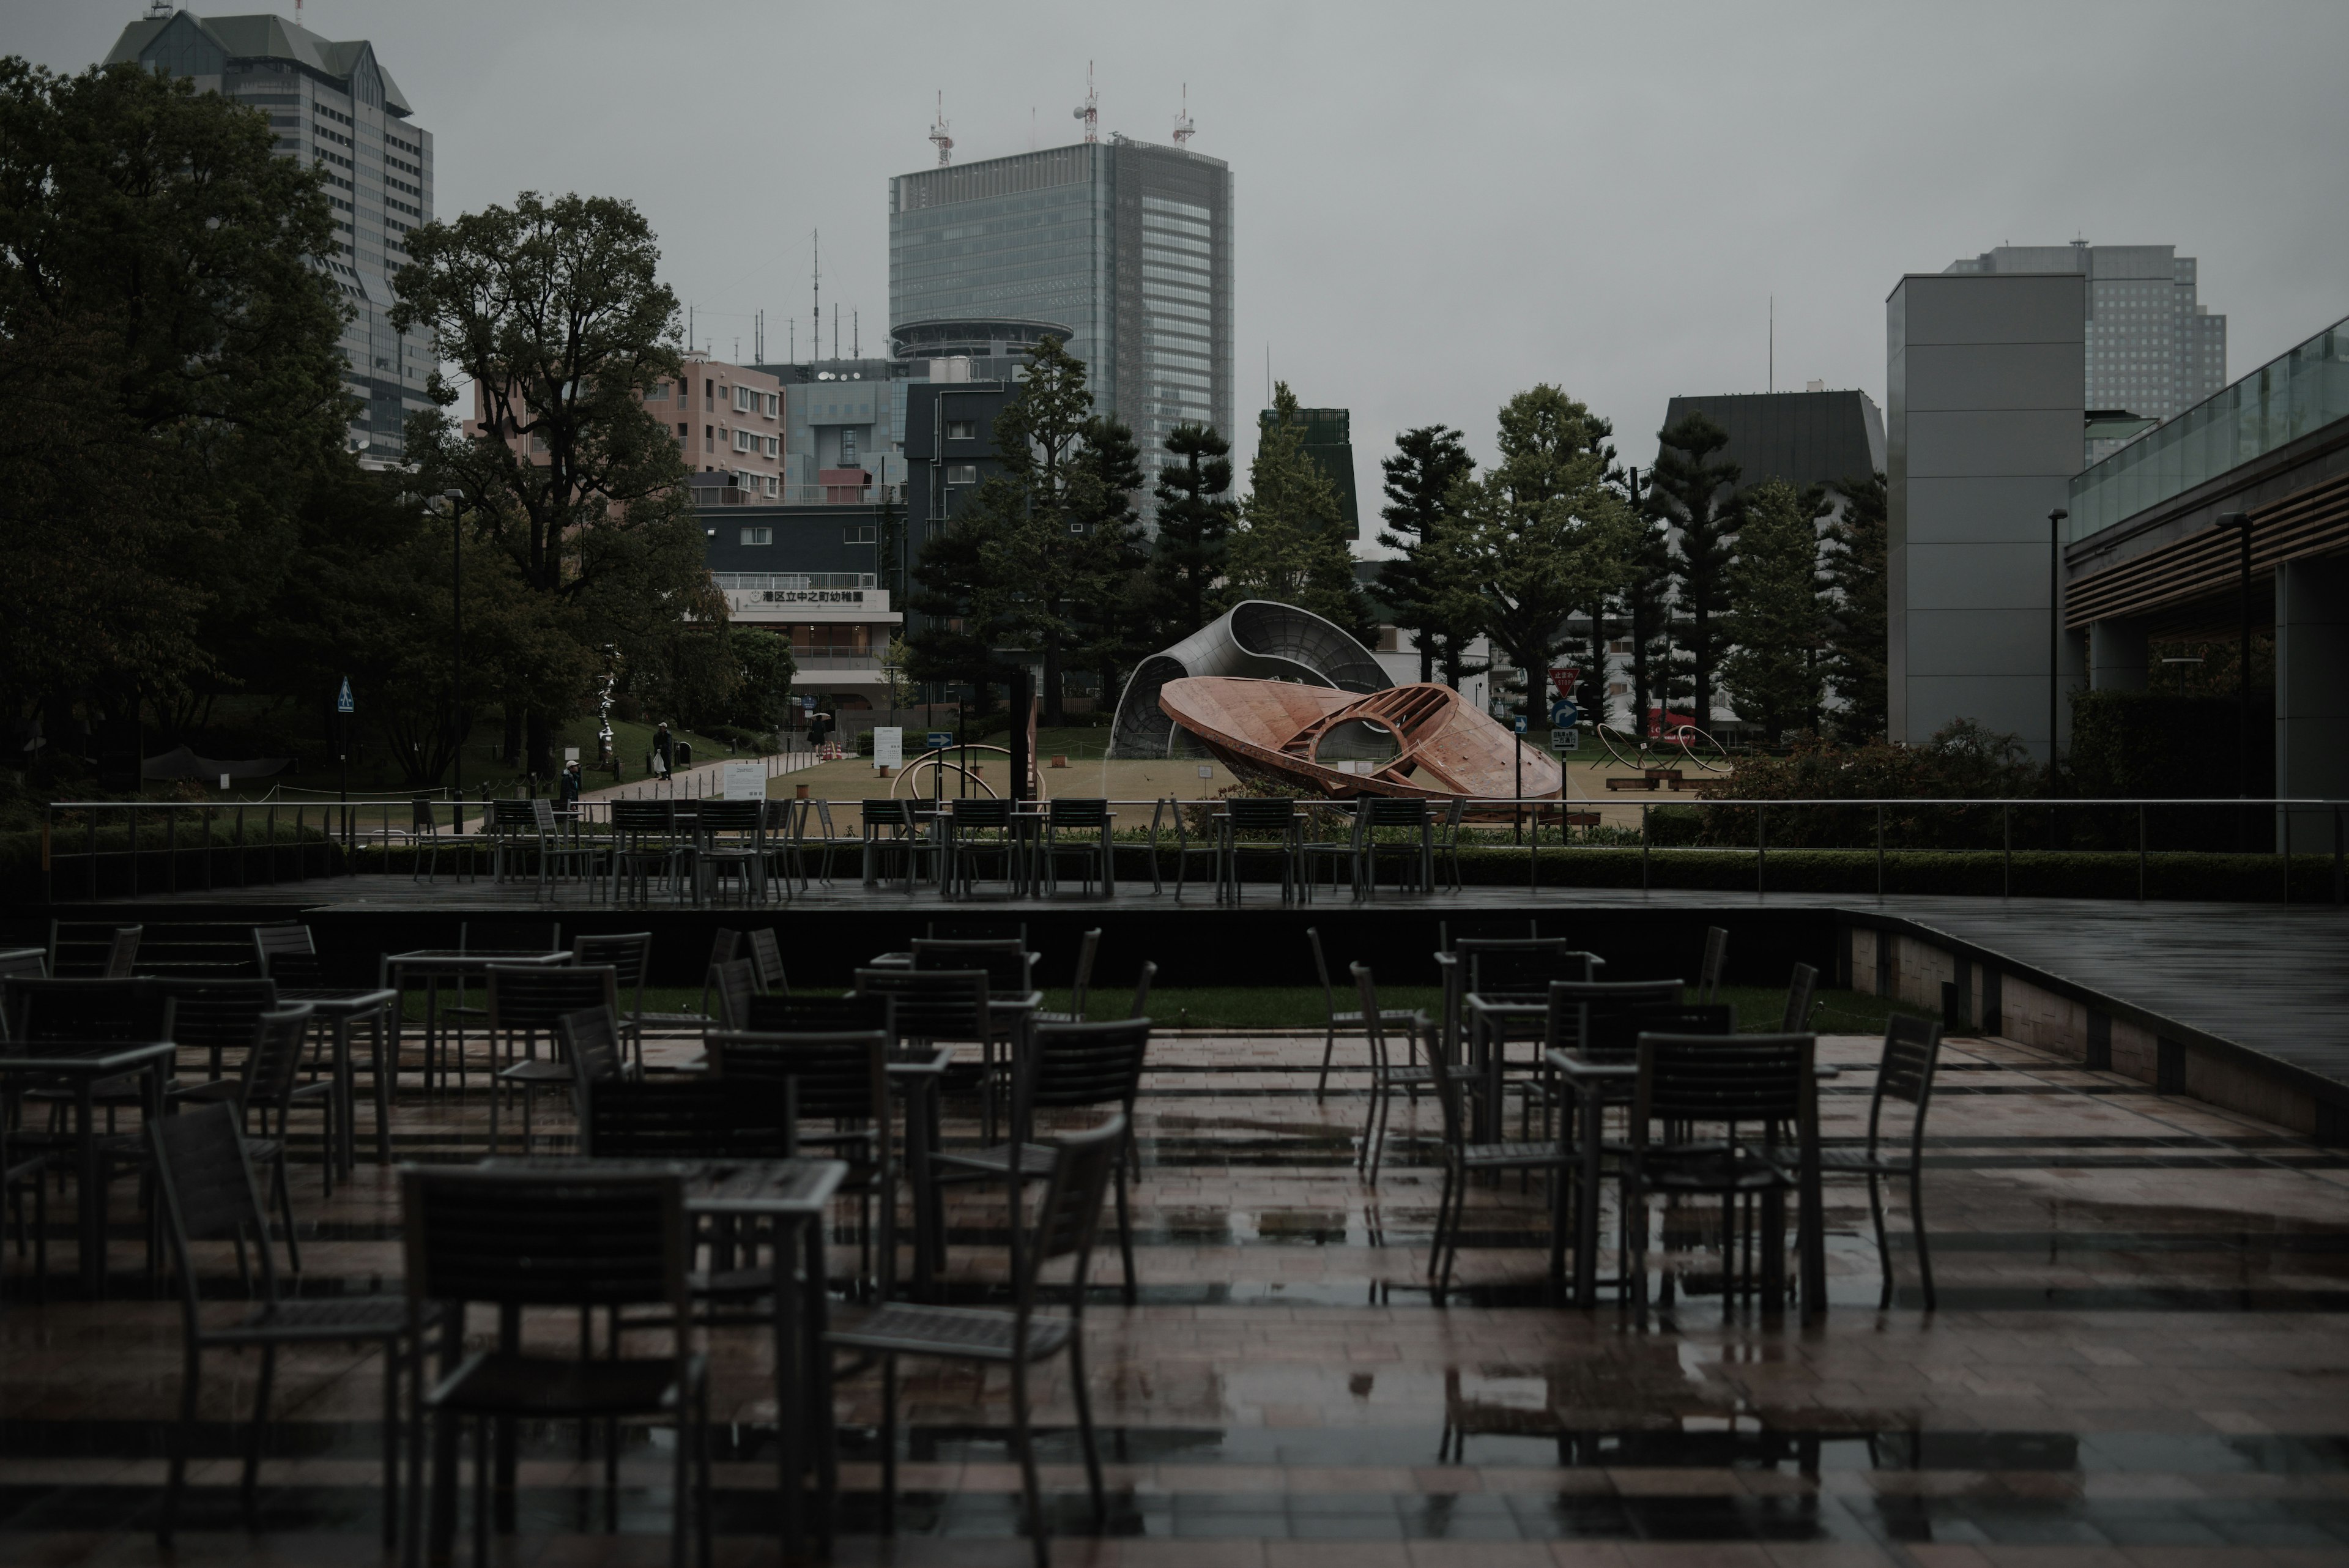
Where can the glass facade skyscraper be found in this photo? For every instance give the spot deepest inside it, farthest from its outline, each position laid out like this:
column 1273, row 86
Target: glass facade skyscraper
column 332, row 106
column 1126, row 244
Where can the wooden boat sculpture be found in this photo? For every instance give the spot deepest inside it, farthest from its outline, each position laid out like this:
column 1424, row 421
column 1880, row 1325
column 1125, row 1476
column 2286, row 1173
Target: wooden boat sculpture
column 1416, row 740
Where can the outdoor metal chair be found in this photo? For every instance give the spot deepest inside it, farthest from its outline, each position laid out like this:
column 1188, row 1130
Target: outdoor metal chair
column 122, row 951
column 1347, row 1019
column 1802, row 988
column 628, row 954
column 735, row 981
column 784, row 851
column 731, row 839
column 1081, row 985
column 1912, row 1050
column 1068, row 1067
column 1449, row 933
column 577, row 1239
column 1344, row 852
column 889, row 827
column 820, row 1015
column 839, row 1083
column 1011, row 967
column 524, row 1004
column 645, row 840
column 215, row 1016
column 203, row 1168
column 1415, row 855
column 767, row 961
column 1461, row 1157
column 426, row 841
column 1716, row 960
column 266, row 1083
column 1387, row 1073
column 1447, row 844
column 1067, row 1222
column 690, row 1116
column 511, row 824
column 949, row 1007
column 560, row 853
column 975, row 929
column 1091, row 820
column 591, row 1038
column 1257, row 826
column 1141, row 989
column 492, row 937
column 20, row 1172
column 1758, row 1082
column 1168, row 809
column 969, row 822
column 287, row 954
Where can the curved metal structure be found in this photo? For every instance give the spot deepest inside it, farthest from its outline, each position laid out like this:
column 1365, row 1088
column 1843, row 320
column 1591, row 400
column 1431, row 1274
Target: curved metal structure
column 1423, row 740
column 1258, row 638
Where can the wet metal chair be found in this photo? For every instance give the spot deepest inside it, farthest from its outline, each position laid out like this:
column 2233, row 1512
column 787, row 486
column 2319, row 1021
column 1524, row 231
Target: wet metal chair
column 1802, row 987
column 1414, row 855
column 1716, row 960
column 730, row 837
column 970, row 821
column 890, row 827
column 1082, row 984
column 1256, row 826
column 1067, row 1222
column 1347, row 1019
column 645, row 840
column 1170, row 810
column 578, row 1240
column 1091, row 820
column 525, row 1001
column 1912, row 1049
column 204, row 1168
column 1387, row 1072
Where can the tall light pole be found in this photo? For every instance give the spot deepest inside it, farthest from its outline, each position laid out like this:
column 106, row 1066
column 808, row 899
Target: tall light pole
column 456, row 500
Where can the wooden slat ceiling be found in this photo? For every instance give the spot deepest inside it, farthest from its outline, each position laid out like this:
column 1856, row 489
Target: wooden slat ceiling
column 2195, row 583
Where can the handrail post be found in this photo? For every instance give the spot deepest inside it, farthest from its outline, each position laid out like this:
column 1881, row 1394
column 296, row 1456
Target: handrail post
column 2006, row 853
column 93, row 855
column 2140, row 851
column 2286, row 815
column 172, row 847
column 1643, row 847
column 1761, row 847
column 1533, row 849
column 2338, row 858
column 1879, row 849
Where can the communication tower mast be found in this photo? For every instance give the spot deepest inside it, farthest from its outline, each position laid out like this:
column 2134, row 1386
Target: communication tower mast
column 1089, row 110
column 939, row 133
column 1184, row 129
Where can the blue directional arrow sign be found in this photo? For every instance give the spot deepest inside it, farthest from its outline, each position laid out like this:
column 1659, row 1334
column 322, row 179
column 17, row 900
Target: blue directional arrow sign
column 1564, row 715
column 343, row 704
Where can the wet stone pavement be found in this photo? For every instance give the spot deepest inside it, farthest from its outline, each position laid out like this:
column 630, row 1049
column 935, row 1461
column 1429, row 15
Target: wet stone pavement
column 2139, row 1357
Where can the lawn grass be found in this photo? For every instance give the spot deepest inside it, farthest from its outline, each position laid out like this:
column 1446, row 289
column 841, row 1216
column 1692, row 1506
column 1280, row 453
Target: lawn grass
column 1238, row 1007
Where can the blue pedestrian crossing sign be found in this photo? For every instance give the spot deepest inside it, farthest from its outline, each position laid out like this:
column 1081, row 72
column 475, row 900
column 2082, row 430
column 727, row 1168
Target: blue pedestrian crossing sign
column 1564, row 715
column 343, row 704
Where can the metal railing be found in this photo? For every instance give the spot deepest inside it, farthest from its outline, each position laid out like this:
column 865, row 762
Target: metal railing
column 170, row 847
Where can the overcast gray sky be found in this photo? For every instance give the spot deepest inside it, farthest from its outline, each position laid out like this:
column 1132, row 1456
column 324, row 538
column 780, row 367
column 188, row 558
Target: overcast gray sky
column 1436, row 205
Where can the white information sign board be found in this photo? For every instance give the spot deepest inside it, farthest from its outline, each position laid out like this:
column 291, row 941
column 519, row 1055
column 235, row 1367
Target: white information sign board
column 745, row 780
column 888, row 746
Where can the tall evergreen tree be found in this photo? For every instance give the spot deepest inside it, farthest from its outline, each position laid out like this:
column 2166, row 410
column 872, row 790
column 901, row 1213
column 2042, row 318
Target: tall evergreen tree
column 1772, row 672
column 1291, row 544
column 1860, row 629
column 552, row 310
column 1195, row 523
column 1422, row 586
column 1645, row 601
column 1549, row 535
column 1695, row 490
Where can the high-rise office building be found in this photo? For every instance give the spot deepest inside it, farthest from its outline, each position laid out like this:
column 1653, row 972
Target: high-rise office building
column 1127, row 245
column 2154, row 350
column 332, row 107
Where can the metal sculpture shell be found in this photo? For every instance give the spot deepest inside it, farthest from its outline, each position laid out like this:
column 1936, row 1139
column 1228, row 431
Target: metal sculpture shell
column 1258, row 638
column 1417, row 740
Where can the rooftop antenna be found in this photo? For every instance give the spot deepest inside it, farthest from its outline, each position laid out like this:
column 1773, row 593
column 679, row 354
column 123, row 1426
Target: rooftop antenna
column 815, row 331
column 1089, row 110
column 835, row 331
column 1774, row 342
column 938, row 136
column 855, row 337
column 1184, row 129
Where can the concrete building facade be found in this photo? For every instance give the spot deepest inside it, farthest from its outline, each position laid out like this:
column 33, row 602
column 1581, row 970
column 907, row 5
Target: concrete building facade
column 332, row 107
column 1986, row 408
column 1126, row 243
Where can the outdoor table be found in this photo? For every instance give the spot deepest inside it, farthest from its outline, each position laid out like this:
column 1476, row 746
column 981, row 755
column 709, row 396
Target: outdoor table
column 1596, row 1084
column 84, row 1064
column 342, row 1009
column 793, row 1196
column 433, row 965
column 1038, row 825
column 1490, row 1054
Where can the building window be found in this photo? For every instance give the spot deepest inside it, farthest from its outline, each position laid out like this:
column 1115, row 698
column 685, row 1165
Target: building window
column 708, row 393
column 710, row 438
column 962, row 430
column 659, row 394
column 758, row 535
column 962, row 474
column 848, row 447
column 860, row 533
column 684, row 434
column 774, row 446
column 774, row 405
column 774, row 485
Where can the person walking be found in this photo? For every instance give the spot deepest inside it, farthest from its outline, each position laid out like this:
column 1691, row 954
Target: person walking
column 570, row 787
column 662, row 746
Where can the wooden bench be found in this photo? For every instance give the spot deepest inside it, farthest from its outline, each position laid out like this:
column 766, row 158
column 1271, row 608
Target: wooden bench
column 1582, row 819
column 1649, row 782
column 1667, row 775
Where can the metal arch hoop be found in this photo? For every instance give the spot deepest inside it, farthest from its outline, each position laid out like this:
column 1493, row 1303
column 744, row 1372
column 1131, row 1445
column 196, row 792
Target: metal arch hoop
column 938, row 760
column 1607, row 740
column 1687, row 735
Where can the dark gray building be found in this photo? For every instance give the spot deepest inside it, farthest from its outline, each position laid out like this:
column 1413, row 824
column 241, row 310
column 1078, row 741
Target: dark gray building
column 1986, row 407
column 1804, row 438
column 332, row 107
column 1330, row 442
column 1127, row 244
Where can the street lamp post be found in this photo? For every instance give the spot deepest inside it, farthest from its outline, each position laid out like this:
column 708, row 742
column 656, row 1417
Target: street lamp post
column 2054, row 648
column 456, row 500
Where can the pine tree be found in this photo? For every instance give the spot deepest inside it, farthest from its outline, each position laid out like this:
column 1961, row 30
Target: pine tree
column 1645, row 601
column 1772, row 671
column 1548, row 534
column 1695, row 494
column 1195, row 525
column 1290, row 546
column 1422, row 586
column 1858, row 628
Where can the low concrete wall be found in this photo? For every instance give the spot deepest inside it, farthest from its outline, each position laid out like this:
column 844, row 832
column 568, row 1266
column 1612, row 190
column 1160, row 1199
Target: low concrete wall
column 2013, row 1004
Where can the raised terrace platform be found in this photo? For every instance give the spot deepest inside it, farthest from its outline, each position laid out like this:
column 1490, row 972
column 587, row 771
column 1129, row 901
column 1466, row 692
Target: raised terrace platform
column 2244, row 1005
